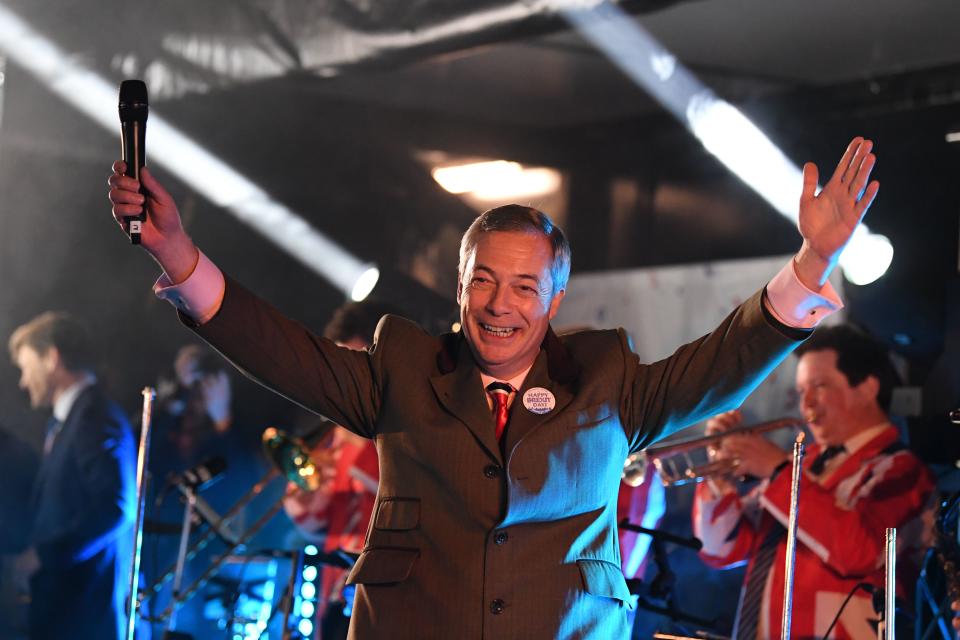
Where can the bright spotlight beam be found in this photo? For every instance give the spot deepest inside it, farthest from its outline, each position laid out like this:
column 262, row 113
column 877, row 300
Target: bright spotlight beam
column 722, row 128
column 183, row 157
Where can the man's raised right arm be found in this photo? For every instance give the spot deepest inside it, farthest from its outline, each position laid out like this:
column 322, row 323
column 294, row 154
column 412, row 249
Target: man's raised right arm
column 190, row 281
column 280, row 353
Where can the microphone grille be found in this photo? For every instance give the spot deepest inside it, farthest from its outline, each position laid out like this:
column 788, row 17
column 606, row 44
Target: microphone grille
column 133, row 100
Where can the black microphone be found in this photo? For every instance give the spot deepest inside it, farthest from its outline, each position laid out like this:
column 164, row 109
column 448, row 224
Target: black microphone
column 200, row 476
column 196, row 478
column 133, row 130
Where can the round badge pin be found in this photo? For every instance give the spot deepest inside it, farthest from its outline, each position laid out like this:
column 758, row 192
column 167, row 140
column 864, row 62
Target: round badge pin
column 539, row 400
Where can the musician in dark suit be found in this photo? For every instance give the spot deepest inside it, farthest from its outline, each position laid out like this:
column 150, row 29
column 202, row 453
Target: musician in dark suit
column 84, row 497
column 501, row 446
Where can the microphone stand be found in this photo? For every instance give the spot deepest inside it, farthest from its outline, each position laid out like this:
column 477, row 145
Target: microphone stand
column 662, row 585
column 887, row 631
column 143, row 454
column 691, row 543
column 191, row 504
column 792, row 538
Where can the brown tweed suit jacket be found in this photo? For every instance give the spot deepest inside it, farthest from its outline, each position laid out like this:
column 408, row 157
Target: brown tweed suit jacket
column 474, row 539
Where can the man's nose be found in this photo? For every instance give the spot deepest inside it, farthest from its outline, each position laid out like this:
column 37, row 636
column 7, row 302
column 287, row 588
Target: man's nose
column 498, row 303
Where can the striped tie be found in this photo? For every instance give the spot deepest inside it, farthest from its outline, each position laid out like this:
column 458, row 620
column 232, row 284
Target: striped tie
column 749, row 618
column 499, row 393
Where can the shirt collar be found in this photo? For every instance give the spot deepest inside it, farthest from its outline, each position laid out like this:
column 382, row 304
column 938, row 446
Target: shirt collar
column 64, row 402
column 516, row 381
column 859, row 440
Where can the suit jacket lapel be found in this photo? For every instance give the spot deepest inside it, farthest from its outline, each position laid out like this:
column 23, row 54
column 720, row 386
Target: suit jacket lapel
column 461, row 392
column 553, row 370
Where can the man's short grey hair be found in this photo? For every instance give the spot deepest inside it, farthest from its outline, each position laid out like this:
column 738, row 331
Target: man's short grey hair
column 515, row 217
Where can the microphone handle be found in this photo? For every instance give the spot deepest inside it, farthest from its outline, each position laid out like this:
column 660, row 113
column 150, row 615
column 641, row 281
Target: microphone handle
column 133, row 134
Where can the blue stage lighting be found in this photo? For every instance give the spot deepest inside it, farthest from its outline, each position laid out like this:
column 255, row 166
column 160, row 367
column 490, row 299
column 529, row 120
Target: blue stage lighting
column 306, row 628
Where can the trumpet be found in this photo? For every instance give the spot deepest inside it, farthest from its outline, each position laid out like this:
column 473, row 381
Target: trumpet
column 675, row 462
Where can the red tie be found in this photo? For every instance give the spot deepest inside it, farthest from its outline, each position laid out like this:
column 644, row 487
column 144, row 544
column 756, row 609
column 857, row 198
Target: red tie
column 500, row 396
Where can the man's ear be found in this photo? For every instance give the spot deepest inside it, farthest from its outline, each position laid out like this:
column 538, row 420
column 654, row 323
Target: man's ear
column 51, row 359
column 869, row 389
column 555, row 303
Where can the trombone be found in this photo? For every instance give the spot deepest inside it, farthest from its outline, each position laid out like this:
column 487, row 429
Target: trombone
column 289, row 457
column 675, row 462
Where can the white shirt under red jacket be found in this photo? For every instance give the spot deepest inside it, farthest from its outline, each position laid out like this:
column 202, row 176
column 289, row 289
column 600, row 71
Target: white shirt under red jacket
column 843, row 515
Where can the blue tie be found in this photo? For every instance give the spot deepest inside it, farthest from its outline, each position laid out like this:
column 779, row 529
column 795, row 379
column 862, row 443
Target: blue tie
column 53, row 430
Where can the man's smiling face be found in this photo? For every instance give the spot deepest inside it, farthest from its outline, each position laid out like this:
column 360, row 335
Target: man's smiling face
column 507, row 300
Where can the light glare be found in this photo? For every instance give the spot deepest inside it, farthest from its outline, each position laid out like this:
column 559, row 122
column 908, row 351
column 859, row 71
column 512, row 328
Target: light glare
column 306, row 628
column 365, row 284
column 722, row 128
column 866, row 257
column 497, row 179
column 180, row 155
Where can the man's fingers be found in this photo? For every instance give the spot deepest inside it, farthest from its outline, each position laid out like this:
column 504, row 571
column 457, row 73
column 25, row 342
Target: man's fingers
column 850, row 171
column 118, row 195
column 810, row 177
column 120, row 181
column 847, row 159
column 862, row 176
column 153, row 187
column 867, row 199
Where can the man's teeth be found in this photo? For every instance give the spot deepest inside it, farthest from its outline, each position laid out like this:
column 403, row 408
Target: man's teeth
column 498, row 331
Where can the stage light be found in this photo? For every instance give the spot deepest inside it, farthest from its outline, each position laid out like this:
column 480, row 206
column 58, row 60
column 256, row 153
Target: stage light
column 364, row 284
column 722, row 128
column 171, row 149
column 308, row 591
column 307, row 609
column 305, row 627
column 310, row 573
column 866, row 258
column 497, row 179
column 310, row 550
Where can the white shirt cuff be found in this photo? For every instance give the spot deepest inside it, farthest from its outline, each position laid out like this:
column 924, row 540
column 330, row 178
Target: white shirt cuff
column 795, row 305
column 199, row 296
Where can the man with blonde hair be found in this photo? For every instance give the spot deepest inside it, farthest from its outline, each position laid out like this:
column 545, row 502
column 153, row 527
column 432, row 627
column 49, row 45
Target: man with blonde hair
column 84, row 498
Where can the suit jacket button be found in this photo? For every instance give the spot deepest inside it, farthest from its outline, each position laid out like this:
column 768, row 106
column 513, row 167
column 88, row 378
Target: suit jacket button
column 496, row 607
column 500, row 537
column 491, row 471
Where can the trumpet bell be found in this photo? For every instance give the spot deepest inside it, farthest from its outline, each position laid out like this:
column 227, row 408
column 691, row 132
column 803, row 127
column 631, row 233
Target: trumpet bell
column 289, row 455
column 635, row 469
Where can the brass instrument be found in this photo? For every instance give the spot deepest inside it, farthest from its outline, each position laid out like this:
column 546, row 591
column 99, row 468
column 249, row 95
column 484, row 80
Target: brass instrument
column 290, row 458
column 675, row 462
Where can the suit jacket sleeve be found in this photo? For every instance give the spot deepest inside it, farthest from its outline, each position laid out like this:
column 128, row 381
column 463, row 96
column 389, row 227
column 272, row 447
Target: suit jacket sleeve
column 727, row 534
column 342, row 384
column 707, row 376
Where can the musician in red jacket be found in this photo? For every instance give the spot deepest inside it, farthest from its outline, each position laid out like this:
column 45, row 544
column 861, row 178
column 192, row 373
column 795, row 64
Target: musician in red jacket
column 857, row 480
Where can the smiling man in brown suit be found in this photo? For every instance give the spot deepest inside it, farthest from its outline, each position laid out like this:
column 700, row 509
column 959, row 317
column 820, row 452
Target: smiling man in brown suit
column 510, row 537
